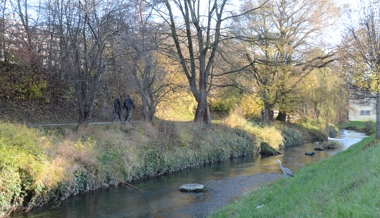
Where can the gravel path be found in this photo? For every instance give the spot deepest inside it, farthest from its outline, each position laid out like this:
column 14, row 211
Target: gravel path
column 75, row 124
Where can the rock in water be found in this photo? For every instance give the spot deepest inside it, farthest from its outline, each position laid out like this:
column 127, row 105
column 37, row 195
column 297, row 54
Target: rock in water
column 319, row 149
column 330, row 145
column 310, row 153
column 192, row 188
column 266, row 149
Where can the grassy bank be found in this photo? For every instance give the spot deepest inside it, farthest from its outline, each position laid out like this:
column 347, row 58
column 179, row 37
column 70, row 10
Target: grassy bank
column 47, row 165
column 345, row 185
column 368, row 127
column 40, row 166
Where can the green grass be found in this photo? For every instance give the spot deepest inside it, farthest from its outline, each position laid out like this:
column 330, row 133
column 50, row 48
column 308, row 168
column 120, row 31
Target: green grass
column 368, row 127
column 346, row 185
column 353, row 124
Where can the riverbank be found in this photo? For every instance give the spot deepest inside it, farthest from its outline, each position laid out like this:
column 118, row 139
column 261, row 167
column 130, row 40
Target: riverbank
column 49, row 164
column 342, row 186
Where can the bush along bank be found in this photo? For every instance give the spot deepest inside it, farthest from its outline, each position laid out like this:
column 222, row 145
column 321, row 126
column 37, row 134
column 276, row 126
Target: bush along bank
column 367, row 127
column 47, row 166
column 286, row 135
column 40, row 166
column 275, row 136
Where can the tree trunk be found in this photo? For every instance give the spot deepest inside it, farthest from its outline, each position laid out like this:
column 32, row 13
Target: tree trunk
column 202, row 114
column 378, row 115
column 83, row 118
column 148, row 109
column 86, row 95
column 281, row 116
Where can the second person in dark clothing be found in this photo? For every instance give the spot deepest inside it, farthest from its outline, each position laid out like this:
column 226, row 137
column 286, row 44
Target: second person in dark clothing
column 116, row 109
column 128, row 105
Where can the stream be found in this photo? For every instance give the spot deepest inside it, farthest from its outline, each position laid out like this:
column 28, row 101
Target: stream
column 160, row 197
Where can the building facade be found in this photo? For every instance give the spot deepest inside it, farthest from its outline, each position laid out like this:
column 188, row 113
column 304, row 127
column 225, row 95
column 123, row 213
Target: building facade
column 362, row 109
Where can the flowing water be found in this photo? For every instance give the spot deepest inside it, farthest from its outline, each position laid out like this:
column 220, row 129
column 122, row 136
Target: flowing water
column 160, row 197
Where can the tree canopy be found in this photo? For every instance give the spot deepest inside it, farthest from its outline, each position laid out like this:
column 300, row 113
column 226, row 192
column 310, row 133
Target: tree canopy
column 266, row 52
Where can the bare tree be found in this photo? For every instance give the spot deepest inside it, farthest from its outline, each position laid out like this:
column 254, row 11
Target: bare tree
column 362, row 51
column 2, row 29
column 197, row 33
column 84, row 30
column 140, row 40
column 26, row 16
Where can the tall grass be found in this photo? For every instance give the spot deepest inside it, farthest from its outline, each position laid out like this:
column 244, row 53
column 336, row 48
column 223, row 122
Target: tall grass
column 184, row 145
column 38, row 167
column 342, row 186
column 27, row 172
column 51, row 164
column 276, row 134
column 268, row 134
column 317, row 131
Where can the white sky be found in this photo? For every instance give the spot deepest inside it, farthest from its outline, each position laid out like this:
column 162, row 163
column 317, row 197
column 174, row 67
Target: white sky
column 334, row 35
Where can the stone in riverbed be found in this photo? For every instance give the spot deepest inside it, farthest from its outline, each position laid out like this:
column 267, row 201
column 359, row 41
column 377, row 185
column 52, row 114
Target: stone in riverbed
column 319, row 149
column 310, row 153
column 330, row 145
column 193, row 187
column 266, row 149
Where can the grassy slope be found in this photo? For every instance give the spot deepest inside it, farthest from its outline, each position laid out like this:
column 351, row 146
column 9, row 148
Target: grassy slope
column 38, row 166
column 110, row 154
column 345, row 185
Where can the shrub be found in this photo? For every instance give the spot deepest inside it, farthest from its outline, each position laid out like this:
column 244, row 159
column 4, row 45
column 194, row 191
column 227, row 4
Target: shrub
column 315, row 130
column 20, row 82
column 113, row 162
column 27, row 175
column 269, row 134
column 196, row 146
column 369, row 127
column 317, row 135
column 265, row 149
column 332, row 131
column 168, row 133
column 330, row 145
column 251, row 108
column 293, row 137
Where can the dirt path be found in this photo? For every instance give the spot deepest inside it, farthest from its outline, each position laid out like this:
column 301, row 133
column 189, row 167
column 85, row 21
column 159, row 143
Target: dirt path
column 75, row 124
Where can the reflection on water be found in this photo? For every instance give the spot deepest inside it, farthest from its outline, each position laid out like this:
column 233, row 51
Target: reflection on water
column 161, row 198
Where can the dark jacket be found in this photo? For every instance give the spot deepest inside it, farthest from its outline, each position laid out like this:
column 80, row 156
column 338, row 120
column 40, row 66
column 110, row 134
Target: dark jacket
column 128, row 104
column 117, row 106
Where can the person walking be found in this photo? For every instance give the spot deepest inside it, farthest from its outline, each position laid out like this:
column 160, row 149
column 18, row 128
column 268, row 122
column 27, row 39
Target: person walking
column 271, row 115
column 117, row 109
column 262, row 115
column 128, row 105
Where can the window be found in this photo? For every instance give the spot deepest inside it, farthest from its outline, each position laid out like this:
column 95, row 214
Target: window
column 367, row 103
column 365, row 112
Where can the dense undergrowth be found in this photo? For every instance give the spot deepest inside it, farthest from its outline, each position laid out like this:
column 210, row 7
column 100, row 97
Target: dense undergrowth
column 342, row 186
column 48, row 165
